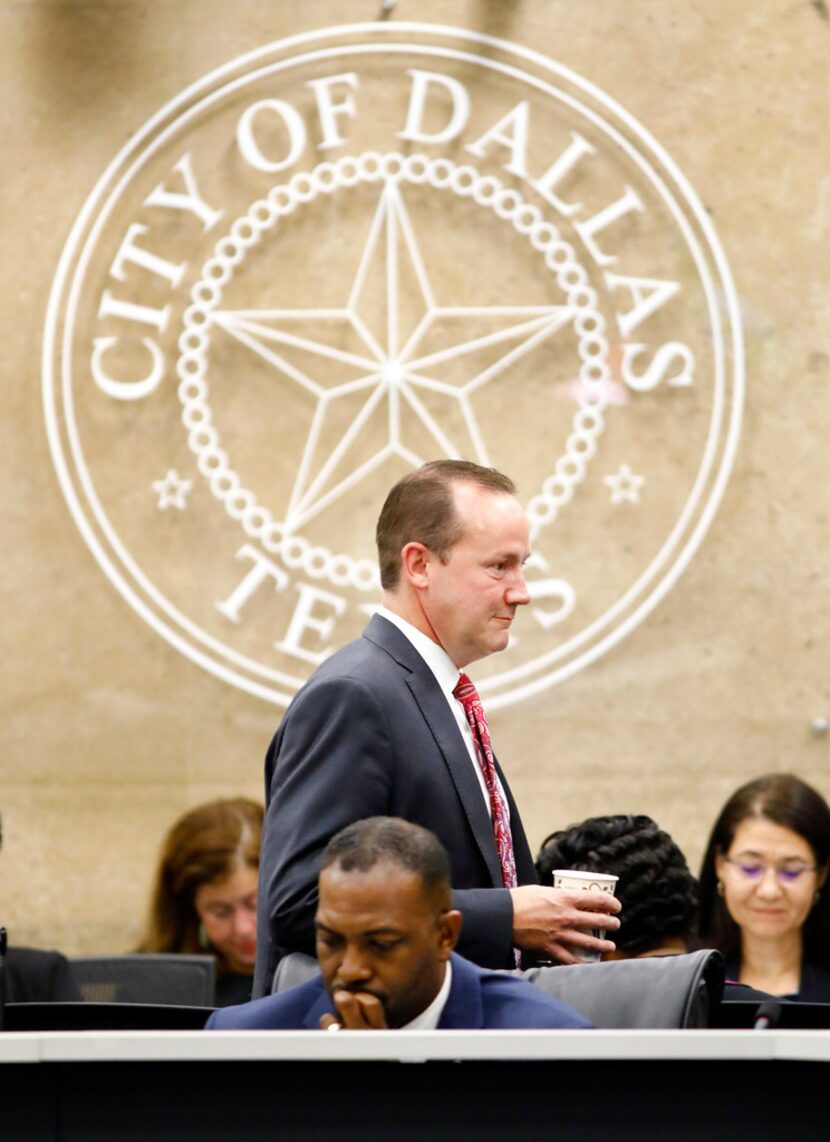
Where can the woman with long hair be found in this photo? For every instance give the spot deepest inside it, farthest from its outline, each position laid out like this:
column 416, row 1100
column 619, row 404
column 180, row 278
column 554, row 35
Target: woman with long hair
column 205, row 892
column 764, row 896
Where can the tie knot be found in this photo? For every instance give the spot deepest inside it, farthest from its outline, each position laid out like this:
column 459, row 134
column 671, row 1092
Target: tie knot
column 464, row 690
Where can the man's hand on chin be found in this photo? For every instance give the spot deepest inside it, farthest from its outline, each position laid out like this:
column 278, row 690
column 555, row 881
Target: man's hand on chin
column 358, row 1011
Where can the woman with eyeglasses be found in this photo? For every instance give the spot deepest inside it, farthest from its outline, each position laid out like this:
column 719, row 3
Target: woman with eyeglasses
column 764, row 896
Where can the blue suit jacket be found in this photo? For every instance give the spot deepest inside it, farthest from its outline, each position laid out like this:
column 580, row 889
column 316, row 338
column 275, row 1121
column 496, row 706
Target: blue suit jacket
column 478, row 999
column 371, row 734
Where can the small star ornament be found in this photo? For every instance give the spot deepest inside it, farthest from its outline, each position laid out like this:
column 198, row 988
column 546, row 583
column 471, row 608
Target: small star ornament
column 172, row 491
column 625, row 486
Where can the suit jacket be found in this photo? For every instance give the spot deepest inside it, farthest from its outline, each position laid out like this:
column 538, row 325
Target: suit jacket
column 814, row 986
column 477, row 999
column 371, row 734
column 33, row 976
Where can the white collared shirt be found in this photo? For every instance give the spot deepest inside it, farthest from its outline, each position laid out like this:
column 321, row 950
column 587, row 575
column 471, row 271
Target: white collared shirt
column 430, row 1017
column 446, row 675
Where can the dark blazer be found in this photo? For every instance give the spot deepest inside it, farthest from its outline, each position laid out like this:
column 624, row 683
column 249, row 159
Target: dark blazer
column 371, row 734
column 478, row 999
column 814, row 986
column 33, row 976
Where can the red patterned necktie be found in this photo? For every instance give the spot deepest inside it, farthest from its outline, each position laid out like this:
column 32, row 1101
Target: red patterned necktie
column 467, row 695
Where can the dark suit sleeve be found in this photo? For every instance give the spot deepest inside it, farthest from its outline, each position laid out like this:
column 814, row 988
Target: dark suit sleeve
column 331, row 763
column 297, row 1009
column 487, row 926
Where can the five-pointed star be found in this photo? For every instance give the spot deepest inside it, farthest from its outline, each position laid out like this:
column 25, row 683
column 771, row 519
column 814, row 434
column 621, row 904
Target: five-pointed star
column 172, row 491
column 625, row 485
column 394, row 362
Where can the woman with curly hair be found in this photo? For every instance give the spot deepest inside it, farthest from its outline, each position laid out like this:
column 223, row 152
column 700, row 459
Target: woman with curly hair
column 655, row 887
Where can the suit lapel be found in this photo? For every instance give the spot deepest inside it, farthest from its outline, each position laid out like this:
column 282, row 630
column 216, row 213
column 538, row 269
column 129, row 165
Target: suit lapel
column 444, row 729
column 322, row 1005
column 464, row 1009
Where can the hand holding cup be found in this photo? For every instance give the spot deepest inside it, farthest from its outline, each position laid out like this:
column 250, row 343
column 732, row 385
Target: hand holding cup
column 575, row 879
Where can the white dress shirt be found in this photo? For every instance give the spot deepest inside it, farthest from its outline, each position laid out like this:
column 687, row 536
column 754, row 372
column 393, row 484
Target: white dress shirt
column 429, row 1018
column 446, row 675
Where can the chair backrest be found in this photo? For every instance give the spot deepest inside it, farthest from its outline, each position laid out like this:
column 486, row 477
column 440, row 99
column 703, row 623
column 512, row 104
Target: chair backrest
column 292, row 969
column 656, row 991
column 3, row 942
column 187, row 981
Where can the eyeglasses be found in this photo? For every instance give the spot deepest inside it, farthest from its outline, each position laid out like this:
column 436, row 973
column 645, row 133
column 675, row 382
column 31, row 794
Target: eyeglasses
column 756, row 870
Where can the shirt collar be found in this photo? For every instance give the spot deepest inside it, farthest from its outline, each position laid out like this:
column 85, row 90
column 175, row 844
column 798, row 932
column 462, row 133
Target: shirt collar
column 442, row 666
column 430, row 1017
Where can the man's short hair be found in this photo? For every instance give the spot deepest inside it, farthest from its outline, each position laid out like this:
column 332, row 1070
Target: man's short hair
column 377, row 840
column 420, row 509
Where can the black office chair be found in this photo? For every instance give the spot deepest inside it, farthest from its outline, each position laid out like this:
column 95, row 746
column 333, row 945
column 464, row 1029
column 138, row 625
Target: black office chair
column 186, row 981
column 653, row 992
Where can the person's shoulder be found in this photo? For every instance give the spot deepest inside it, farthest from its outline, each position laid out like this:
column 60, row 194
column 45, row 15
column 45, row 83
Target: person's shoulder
column 352, row 661
column 33, row 958
column 513, row 1003
column 815, row 982
column 362, row 671
column 36, row 975
column 283, row 1012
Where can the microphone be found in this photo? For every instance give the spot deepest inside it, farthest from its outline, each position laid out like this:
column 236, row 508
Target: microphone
column 768, row 1015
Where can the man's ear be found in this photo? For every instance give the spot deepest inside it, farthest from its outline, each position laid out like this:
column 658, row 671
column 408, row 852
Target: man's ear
column 415, row 560
column 449, row 930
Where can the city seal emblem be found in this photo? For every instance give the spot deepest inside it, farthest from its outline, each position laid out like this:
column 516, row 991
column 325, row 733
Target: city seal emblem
column 355, row 250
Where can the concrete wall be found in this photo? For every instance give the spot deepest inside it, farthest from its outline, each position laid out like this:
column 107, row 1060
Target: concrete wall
column 107, row 733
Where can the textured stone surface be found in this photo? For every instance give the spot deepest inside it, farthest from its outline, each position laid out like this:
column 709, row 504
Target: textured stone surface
column 106, row 734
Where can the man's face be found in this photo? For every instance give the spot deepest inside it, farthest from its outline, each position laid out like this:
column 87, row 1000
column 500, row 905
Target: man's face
column 380, row 933
column 470, row 600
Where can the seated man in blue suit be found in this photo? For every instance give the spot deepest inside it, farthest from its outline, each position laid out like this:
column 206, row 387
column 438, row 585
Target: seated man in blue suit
column 385, row 937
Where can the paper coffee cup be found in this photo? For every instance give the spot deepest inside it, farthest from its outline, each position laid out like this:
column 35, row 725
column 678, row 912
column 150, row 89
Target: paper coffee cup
column 573, row 878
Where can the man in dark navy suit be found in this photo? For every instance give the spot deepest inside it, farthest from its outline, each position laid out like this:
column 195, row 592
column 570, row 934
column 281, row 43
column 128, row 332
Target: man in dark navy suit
column 380, row 730
column 385, row 937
